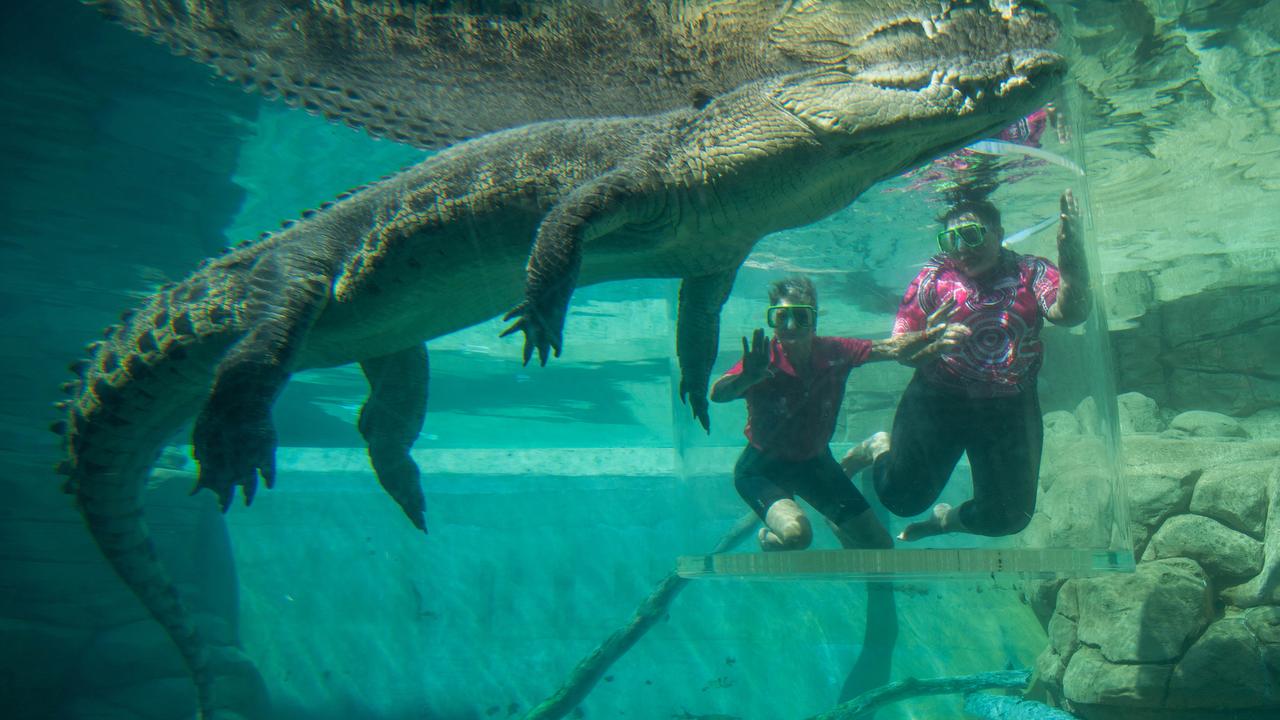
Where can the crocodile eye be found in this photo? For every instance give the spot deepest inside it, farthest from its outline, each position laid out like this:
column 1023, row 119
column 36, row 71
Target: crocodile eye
column 1032, row 5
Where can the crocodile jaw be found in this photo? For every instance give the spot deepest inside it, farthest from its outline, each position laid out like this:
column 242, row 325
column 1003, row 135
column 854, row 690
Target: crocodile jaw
column 916, row 66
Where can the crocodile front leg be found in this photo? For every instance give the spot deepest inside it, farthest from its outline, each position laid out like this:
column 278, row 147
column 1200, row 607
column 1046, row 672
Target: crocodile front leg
column 698, row 337
column 591, row 210
column 234, row 439
column 391, row 420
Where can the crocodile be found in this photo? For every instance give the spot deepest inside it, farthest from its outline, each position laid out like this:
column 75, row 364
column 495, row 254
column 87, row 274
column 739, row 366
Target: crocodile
column 427, row 73
column 443, row 245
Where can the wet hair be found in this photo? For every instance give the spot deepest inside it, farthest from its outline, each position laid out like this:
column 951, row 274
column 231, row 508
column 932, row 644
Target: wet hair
column 796, row 287
column 983, row 209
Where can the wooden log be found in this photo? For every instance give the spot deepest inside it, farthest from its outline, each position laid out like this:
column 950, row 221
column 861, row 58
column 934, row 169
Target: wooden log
column 1007, row 707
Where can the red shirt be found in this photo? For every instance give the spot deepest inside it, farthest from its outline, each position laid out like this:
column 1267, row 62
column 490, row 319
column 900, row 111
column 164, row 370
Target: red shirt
column 1005, row 313
column 792, row 417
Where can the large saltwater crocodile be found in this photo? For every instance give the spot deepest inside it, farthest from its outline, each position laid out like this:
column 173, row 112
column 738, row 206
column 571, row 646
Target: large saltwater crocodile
column 446, row 244
column 427, row 72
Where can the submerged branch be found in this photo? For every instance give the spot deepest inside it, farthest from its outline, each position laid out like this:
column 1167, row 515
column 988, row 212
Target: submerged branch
column 1005, row 707
column 592, row 668
column 869, row 701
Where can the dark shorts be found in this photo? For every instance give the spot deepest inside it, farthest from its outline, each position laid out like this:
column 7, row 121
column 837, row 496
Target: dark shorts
column 933, row 427
column 762, row 480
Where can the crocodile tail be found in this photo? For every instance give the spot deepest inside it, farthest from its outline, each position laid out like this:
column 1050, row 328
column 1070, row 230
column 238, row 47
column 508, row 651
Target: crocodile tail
column 133, row 392
column 116, row 524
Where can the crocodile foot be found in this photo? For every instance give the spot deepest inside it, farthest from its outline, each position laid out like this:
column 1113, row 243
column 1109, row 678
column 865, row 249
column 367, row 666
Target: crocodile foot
column 233, row 448
column 697, row 401
column 543, row 326
column 400, row 477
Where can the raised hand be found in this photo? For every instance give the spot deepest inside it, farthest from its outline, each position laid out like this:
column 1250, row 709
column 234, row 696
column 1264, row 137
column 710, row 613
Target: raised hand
column 1074, row 298
column 1070, row 239
column 755, row 368
column 1058, row 122
column 755, row 357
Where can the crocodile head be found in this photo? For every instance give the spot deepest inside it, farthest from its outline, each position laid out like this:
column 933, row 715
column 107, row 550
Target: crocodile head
column 435, row 73
column 894, row 70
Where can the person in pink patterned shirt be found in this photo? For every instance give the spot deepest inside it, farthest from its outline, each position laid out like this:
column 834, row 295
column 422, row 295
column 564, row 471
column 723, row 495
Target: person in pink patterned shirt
column 974, row 390
column 793, row 386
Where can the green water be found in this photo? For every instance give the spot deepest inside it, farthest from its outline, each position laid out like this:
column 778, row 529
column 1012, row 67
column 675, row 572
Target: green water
column 560, row 497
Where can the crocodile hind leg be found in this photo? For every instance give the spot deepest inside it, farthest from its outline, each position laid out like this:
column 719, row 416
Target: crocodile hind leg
column 698, row 336
column 391, row 420
column 234, row 439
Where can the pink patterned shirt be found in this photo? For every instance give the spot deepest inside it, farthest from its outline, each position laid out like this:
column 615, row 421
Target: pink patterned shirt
column 1028, row 130
column 1005, row 313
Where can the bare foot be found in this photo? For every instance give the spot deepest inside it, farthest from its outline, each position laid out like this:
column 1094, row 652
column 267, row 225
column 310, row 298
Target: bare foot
column 865, row 453
column 935, row 525
column 768, row 541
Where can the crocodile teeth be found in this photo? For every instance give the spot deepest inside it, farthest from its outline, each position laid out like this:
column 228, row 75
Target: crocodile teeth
column 1014, row 82
column 930, row 29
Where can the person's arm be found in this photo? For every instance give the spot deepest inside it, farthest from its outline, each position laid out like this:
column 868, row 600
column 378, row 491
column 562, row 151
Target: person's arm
column 909, row 324
column 1074, row 297
column 951, row 336
column 903, row 345
column 939, row 335
column 754, row 368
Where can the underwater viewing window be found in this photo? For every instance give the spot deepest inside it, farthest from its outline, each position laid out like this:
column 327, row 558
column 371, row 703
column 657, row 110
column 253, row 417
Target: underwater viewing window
column 861, row 262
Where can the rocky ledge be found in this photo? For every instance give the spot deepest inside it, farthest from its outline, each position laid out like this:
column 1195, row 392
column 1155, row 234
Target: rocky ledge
column 1195, row 631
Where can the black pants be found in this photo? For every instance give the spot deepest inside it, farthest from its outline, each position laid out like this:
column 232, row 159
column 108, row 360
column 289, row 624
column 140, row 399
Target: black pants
column 933, row 427
column 762, row 480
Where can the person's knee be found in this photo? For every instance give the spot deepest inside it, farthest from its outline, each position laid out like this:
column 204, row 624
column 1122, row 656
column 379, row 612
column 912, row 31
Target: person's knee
column 902, row 490
column 789, row 524
column 998, row 521
column 1014, row 522
column 903, row 500
column 795, row 533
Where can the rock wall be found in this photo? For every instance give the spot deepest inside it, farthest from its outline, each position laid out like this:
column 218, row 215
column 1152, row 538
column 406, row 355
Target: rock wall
column 1213, row 350
column 76, row 642
column 1195, row 631
column 1179, row 106
column 118, row 160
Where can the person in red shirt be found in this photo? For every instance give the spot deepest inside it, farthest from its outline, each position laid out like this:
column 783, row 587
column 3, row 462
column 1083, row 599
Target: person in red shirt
column 974, row 390
column 793, row 386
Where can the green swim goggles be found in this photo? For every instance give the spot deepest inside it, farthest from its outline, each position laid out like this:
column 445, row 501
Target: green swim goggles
column 969, row 235
column 797, row 316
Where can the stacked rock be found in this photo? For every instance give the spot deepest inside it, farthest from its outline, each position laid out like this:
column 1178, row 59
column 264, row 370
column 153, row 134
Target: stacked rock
column 1195, row 631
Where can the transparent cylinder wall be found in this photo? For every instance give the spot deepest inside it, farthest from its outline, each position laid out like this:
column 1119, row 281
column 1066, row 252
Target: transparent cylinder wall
column 560, row 497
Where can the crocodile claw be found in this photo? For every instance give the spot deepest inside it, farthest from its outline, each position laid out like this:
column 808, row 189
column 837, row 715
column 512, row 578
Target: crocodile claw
column 402, row 480
column 234, row 451
column 698, row 403
column 542, row 331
